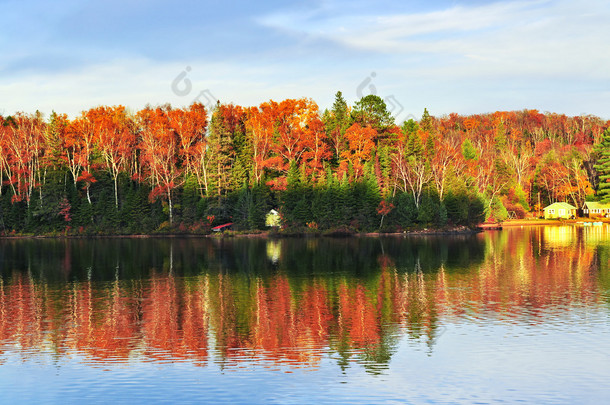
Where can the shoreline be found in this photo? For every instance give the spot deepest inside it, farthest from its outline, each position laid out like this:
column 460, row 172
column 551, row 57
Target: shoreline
column 549, row 222
column 262, row 234
column 462, row 230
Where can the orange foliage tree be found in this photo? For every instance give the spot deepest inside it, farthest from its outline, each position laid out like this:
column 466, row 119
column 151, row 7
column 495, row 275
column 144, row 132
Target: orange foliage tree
column 114, row 139
column 160, row 147
column 361, row 143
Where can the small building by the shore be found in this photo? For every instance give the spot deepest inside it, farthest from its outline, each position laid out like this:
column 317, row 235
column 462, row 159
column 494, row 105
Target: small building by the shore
column 596, row 209
column 559, row 210
column 273, row 219
column 223, row 227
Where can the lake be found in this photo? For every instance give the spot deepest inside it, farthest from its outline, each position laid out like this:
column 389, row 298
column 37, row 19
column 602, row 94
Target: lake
column 518, row 315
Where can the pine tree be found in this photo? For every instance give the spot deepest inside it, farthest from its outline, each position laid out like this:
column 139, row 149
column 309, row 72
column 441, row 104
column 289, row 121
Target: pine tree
column 415, row 146
column 293, row 176
column 500, row 137
column 336, row 122
column 405, row 212
column 53, row 138
column 468, row 151
column 410, row 127
column 221, row 152
column 602, row 149
column 430, row 147
column 371, row 111
column 426, row 123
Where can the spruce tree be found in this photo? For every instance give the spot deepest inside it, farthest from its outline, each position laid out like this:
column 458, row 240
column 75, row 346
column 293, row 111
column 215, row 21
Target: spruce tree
column 500, row 137
column 336, row 122
column 221, row 153
column 468, row 151
column 430, row 147
column 415, row 146
column 410, row 127
column 602, row 149
column 426, row 123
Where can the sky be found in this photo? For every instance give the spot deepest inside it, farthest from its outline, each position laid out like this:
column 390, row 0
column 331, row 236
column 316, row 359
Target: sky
column 467, row 57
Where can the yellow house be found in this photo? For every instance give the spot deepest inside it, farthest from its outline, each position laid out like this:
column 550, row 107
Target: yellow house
column 593, row 209
column 559, row 210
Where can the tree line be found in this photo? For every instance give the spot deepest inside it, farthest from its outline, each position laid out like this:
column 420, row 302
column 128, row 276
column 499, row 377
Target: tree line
column 165, row 169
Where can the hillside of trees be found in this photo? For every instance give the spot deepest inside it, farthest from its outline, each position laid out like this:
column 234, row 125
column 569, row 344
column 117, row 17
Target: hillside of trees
column 185, row 170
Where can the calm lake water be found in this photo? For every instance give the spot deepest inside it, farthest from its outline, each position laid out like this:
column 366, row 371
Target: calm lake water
column 519, row 315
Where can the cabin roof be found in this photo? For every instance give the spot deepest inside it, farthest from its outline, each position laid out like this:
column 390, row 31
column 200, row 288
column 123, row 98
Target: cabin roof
column 219, row 227
column 595, row 205
column 561, row 205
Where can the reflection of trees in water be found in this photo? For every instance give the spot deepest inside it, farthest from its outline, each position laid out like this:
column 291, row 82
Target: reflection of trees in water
column 286, row 304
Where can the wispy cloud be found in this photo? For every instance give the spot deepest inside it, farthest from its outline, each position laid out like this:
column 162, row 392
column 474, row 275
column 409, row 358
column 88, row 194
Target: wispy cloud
column 521, row 38
column 464, row 56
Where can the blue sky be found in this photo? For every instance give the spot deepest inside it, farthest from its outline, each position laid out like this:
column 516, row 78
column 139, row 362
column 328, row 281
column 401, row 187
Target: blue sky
column 448, row 56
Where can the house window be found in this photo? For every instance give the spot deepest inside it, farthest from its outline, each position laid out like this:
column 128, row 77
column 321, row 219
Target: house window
column 551, row 211
column 562, row 212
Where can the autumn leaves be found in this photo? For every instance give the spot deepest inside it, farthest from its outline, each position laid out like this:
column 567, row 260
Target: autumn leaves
column 502, row 158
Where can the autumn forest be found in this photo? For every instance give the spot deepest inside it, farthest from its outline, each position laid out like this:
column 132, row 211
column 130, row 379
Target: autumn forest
column 351, row 168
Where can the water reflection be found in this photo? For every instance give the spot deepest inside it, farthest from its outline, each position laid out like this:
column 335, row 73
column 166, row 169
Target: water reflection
column 288, row 302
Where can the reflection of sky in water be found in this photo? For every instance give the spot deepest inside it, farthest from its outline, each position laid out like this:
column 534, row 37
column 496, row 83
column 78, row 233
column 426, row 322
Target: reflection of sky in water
column 520, row 314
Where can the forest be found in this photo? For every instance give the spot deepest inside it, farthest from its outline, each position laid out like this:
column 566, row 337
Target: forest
column 350, row 168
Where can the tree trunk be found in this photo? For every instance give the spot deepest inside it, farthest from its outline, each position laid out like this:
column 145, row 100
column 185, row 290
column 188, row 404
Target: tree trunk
column 169, row 200
column 116, row 193
column 205, row 179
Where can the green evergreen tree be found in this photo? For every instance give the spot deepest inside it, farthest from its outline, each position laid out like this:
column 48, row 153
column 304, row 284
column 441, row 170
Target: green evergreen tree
column 324, row 208
column 496, row 210
column 372, row 111
column 430, row 147
column 602, row 150
column 409, row 127
column 366, row 197
column 428, row 210
column 383, row 170
column 522, row 196
column 293, row 177
column 426, row 122
column 336, row 122
column 443, row 217
column 476, row 210
column 405, row 211
column 344, row 203
column 221, row 151
column 53, row 139
column 190, row 198
column 468, row 151
column 456, row 205
column 500, row 137
column 415, row 146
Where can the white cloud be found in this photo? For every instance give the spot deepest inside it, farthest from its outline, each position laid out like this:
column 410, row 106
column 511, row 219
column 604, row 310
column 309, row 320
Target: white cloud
column 545, row 54
column 137, row 82
column 504, row 39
